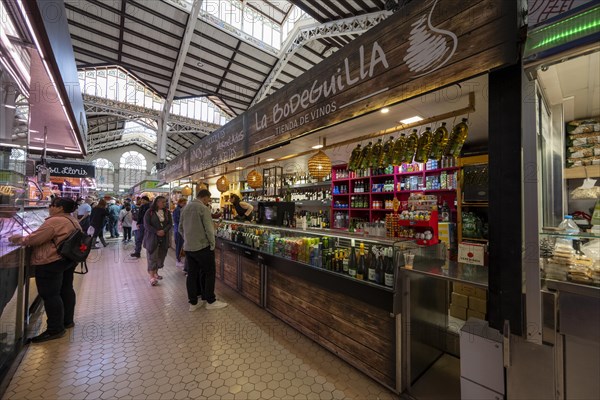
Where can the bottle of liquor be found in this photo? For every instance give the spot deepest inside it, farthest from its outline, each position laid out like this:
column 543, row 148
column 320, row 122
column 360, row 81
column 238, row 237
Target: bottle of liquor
column 371, row 269
column 389, row 268
column 398, row 151
column 424, row 145
column 352, row 261
column 380, row 268
column 376, row 154
column 458, row 136
column 361, row 269
column 365, row 156
column 355, row 158
column 345, row 261
column 410, row 147
column 440, row 141
column 445, row 212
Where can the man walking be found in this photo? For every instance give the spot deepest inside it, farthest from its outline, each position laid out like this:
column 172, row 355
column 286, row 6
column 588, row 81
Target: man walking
column 139, row 233
column 196, row 227
column 113, row 219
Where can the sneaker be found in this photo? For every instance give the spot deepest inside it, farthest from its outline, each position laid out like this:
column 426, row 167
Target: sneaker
column 159, row 277
column 153, row 282
column 194, row 307
column 135, row 255
column 216, row 305
column 45, row 336
column 179, row 264
column 69, row 326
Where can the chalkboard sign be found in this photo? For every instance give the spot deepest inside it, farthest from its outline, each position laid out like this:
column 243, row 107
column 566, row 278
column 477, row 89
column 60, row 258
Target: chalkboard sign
column 71, row 170
column 176, row 168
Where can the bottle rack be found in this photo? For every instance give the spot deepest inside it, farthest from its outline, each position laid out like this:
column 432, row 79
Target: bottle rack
column 380, row 194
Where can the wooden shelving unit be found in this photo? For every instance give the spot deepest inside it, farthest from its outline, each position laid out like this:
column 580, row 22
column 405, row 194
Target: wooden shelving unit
column 460, row 205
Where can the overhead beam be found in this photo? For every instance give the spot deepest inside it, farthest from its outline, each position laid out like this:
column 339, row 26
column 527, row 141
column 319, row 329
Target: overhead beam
column 161, row 141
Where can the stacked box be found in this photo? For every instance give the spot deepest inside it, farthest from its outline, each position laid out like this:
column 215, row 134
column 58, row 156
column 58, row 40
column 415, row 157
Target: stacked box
column 468, row 301
column 447, row 234
column 583, row 142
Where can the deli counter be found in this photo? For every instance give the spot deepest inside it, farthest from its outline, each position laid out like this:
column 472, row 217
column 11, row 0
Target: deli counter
column 388, row 329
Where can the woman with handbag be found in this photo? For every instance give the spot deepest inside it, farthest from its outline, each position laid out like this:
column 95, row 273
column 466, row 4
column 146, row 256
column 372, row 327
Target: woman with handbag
column 54, row 274
column 157, row 224
column 126, row 219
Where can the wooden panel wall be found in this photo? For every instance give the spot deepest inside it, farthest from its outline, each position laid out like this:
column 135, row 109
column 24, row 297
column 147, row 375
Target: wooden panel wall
column 355, row 331
column 218, row 260
column 230, row 268
column 250, row 283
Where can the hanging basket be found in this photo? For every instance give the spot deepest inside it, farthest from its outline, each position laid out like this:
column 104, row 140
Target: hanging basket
column 255, row 179
column 319, row 165
column 186, row 191
column 222, row 184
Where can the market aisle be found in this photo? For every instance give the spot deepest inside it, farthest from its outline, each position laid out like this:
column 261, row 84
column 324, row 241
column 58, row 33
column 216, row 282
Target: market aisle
column 136, row 341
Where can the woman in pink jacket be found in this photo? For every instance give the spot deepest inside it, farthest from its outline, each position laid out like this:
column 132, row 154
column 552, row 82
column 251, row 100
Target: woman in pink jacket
column 54, row 274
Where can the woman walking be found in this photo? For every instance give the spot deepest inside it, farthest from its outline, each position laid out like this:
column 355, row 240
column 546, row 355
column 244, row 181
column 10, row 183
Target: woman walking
column 54, row 274
column 157, row 224
column 97, row 218
column 126, row 219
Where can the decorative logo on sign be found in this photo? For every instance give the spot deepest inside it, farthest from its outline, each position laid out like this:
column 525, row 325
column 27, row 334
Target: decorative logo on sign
column 429, row 47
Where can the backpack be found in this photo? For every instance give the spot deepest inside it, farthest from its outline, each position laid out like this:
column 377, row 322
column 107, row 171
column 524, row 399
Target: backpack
column 135, row 213
column 76, row 247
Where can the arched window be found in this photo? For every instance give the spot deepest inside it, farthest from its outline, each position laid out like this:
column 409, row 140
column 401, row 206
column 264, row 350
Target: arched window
column 153, row 171
column 16, row 161
column 105, row 174
column 132, row 169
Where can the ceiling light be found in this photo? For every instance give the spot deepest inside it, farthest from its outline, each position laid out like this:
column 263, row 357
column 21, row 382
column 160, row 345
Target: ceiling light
column 238, row 168
column 317, row 146
column 200, row 64
column 411, row 120
column 270, row 159
column 7, row 106
column 385, row 110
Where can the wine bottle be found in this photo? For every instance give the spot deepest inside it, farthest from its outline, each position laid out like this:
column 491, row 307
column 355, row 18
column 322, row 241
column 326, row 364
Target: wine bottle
column 365, row 156
column 345, row 261
column 352, row 261
column 389, row 268
column 458, row 136
column 380, row 268
column 372, row 265
column 376, row 153
column 354, row 158
column 410, row 147
column 440, row 141
column 361, row 269
column 424, row 146
column 398, row 151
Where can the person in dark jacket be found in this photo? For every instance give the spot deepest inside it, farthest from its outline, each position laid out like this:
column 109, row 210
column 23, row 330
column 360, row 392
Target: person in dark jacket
column 178, row 238
column 97, row 218
column 139, row 233
column 157, row 224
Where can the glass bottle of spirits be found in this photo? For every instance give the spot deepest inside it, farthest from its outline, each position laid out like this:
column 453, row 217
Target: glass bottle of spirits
column 424, row 146
column 365, row 156
column 389, row 268
column 372, row 265
column 376, row 153
column 398, row 151
column 385, row 158
column 361, row 269
column 410, row 147
column 352, row 261
column 458, row 136
column 355, row 158
column 380, row 268
column 440, row 141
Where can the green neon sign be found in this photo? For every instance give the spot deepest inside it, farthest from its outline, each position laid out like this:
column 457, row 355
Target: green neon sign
column 564, row 31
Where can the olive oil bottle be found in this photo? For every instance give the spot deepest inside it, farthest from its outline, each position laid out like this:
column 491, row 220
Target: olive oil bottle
column 440, row 141
column 424, row 146
column 458, row 136
column 386, row 156
column 411, row 146
column 364, row 156
column 376, row 153
column 398, row 151
column 354, row 158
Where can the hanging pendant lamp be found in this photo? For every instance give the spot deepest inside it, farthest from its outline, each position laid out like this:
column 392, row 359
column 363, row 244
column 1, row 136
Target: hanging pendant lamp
column 319, row 165
column 254, row 178
column 223, row 183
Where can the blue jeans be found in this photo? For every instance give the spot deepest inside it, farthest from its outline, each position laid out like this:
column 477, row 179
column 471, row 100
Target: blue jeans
column 178, row 245
column 54, row 282
column 139, row 239
column 113, row 226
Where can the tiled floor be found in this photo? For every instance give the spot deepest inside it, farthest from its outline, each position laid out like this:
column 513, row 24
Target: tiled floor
column 132, row 340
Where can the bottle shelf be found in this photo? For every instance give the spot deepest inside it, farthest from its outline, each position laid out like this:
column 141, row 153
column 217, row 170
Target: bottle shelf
column 341, row 209
column 359, row 193
column 383, row 176
column 466, row 239
column 383, row 193
column 409, row 173
column 341, row 194
column 433, row 171
column 382, row 209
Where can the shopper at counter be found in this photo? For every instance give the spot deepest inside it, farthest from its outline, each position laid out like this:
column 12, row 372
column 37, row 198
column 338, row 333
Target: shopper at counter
column 196, row 227
column 157, row 224
column 54, row 274
column 243, row 209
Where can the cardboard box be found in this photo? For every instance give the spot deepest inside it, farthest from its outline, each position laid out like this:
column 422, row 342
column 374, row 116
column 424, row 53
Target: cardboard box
column 458, row 312
column 446, row 234
column 475, row 314
column 466, row 290
column 460, row 300
column 471, row 253
column 480, row 293
column 477, row 304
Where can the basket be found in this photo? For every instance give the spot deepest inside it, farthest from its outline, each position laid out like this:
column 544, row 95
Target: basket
column 319, row 165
